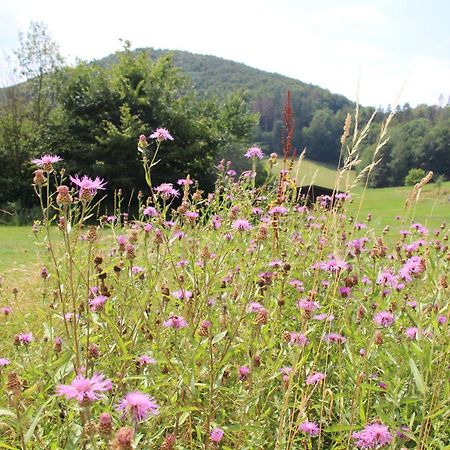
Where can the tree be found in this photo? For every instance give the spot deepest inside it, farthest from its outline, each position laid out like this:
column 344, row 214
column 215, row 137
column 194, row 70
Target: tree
column 414, row 176
column 322, row 136
column 103, row 111
column 39, row 58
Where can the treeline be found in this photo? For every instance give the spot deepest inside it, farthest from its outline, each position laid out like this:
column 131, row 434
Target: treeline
column 92, row 116
column 419, row 138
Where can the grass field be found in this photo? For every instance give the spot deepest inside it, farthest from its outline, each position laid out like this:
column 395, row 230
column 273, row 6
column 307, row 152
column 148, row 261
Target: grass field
column 18, row 249
column 310, row 172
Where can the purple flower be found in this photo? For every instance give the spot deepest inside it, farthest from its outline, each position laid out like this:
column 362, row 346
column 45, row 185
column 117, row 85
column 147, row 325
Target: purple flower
column 6, row 310
column 175, row 322
column 413, row 267
column 166, row 190
column 24, row 338
column 241, row 225
column 182, row 294
column 216, row 435
column 145, row 360
column 161, row 134
column 315, row 377
column 334, row 338
column 87, row 186
column 254, row 152
column 138, row 405
column 310, row 428
column 244, row 372
column 372, row 436
column 442, row 320
column 185, row 182
column 384, row 319
column 411, row 332
column 4, row 362
column 46, row 161
column 150, row 211
column 254, row 307
column 278, row 210
column 97, row 303
column 216, row 222
column 298, row 339
column 85, row 390
column 307, row 305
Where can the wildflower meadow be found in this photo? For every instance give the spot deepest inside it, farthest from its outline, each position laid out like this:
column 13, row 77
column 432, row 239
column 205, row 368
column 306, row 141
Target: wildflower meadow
column 249, row 317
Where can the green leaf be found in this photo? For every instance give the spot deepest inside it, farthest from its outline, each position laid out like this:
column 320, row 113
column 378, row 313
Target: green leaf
column 39, row 415
column 219, row 337
column 418, row 378
column 339, row 427
column 2, row 445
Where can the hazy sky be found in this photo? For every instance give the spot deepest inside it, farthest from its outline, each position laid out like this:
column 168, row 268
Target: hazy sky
column 330, row 43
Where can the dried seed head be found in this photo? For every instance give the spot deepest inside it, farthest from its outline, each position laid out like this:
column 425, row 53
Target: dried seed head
column 378, row 337
column 104, row 425
column 14, row 383
column 169, row 442
column 63, row 197
column 123, row 439
column 92, row 235
column 39, row 177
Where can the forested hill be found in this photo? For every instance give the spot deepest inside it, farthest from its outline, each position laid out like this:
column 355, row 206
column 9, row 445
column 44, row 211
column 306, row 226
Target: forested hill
column 266, row 93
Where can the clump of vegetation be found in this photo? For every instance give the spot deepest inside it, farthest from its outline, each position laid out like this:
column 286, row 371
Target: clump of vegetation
column 246, row 317
column 414, row 176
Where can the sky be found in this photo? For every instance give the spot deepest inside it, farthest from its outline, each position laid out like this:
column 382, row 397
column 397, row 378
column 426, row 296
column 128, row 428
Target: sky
column 379, row 51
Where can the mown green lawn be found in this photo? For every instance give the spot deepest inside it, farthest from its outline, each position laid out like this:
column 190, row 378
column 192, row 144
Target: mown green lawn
column 17, row 247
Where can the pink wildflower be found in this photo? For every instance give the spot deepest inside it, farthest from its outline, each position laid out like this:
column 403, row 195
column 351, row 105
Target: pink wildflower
column 310, row 428
column 46, row 161
column 307, row 305
column 166, row 190
column 278, row 210
column 334, row 338
column 24, row 338
column 254, row 152
column 384, row 319
column 4, row 362
column 216, row 435
column 241, row 225
column 150, row 211
column 97, row 303
column 244, row 372
column 85, row 390
column 87, row 186
column 298, row 339
column 6, row 310
column 175, row 322
column 138, row 405
column 182, row 294
column 161, row 134
column 145, row 360
column 411, row 332
column 372, row 436
column 184, row 182
column 315, row 377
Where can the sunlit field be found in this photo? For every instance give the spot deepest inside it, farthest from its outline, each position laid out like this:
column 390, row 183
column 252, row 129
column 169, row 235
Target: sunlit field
column 246, row 318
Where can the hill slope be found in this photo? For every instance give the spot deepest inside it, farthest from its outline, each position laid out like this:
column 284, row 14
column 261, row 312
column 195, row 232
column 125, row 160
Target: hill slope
column 266, row 93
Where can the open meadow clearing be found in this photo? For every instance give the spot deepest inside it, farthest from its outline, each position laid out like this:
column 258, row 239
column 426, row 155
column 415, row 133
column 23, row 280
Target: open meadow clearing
column 243, row 319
